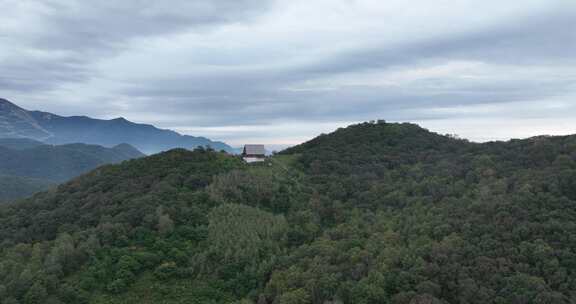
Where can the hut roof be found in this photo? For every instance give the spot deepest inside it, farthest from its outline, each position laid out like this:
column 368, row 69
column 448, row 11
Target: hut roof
column 254, row 150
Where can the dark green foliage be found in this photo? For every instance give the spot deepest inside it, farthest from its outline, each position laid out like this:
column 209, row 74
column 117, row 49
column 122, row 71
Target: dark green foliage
column 14, row 187
column 109, row 227
column 60, row 163
column 27, row 167
column 374, row 213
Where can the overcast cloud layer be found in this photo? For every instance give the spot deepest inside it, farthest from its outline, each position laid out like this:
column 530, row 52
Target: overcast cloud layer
column 281, row 72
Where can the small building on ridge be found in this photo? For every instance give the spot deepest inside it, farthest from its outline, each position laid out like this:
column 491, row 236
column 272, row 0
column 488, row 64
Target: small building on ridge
column 254, row 153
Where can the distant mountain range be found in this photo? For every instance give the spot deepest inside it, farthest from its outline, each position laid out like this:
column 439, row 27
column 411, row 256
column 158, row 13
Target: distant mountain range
column 28, row 166
column 16, row 122
column 19, row 143
column 60, row 163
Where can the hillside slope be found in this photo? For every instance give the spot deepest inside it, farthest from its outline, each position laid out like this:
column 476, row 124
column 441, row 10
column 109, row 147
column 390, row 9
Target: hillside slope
column 16, row 122
column 19, row 143
column 27, row 166
column 373, row 213
column 15, row 187
column 60, row 163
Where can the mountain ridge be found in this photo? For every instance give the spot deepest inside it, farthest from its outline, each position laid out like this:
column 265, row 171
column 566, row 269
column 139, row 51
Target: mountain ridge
column 61, row 162
column 17, row 122
column 55, row 129
column 372, row 213
column 28, row 166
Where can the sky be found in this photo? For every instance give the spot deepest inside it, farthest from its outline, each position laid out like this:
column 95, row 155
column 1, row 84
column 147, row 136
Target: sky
column 282, row 72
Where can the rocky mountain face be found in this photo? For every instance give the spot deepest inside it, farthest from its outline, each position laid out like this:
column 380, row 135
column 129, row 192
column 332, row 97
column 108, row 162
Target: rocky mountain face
column 16, row 122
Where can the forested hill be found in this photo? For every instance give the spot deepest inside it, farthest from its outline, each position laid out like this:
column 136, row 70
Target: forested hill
column 16, row 187
column 61, row 163
column 373, row 213
column 375, row 147
column 28, row 166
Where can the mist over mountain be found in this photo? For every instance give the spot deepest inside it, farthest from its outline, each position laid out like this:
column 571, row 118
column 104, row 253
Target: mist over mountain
column 16, row 122
column 19, row 143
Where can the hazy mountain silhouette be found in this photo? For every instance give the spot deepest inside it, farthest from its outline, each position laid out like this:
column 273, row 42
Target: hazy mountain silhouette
column 16, row 122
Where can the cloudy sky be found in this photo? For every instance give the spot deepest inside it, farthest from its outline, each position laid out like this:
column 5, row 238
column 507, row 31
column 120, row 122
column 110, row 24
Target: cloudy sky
column 281, row 72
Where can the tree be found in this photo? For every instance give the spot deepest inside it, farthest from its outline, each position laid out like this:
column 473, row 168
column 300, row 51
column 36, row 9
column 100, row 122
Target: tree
column 9, row 300
column 165, row 223
column 298, row 296
column 36, row 294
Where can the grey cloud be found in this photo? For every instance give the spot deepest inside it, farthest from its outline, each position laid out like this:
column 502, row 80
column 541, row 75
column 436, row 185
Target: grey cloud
column 350, row 103
column 87, row 31
column 101, row 24
column 539, row 39
column 230, row 95
column 33, row 74
column 252, row 96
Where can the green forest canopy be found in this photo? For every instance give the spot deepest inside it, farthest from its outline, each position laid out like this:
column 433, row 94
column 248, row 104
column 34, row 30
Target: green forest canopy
column 373, row 213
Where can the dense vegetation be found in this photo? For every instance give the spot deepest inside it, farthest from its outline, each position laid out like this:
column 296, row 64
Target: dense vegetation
column 374, row 213
column 14, row 187
column 60, row 163
column 27, row 166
